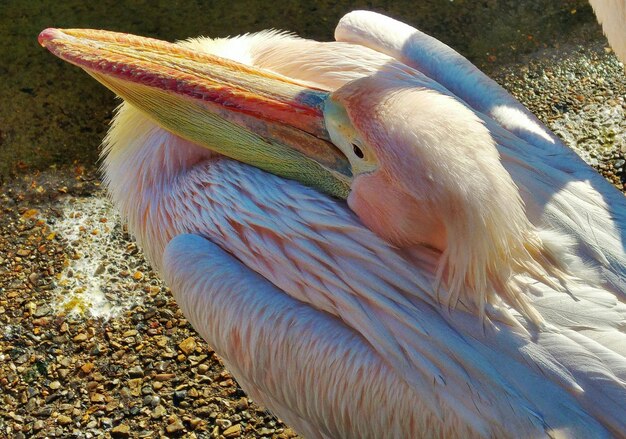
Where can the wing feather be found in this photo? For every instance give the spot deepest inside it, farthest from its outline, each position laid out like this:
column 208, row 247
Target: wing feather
column 380, row 294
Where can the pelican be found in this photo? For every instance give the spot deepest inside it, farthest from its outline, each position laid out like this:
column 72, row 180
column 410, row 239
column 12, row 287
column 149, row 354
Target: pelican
column 377, row 239
column 612, row 16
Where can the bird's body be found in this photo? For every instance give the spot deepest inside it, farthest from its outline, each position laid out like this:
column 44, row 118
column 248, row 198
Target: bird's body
column 341, row 331
column 612, row 15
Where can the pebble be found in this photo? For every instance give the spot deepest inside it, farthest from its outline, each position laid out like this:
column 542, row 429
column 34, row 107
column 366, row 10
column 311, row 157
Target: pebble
column 158, row 412
column 97, row 398
column 136, row 372
column 33, row 278
column 178, row 397
column 188, row 345
column 195, row 423
column 42, row 310
column 42, row 321
column 151, row 400
column 242, row 403
column 234, row 431
column 135, row 386
column 164, row 376
column 223, row 423
column 64, row 420
column 121, row 430
column 175, row 428
column 44, row 412
column 80, row 337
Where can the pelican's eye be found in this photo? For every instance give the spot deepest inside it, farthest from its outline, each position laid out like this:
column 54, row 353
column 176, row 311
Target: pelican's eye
column 357, row 151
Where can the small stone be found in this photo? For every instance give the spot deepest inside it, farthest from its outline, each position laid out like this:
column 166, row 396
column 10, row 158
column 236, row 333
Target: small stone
column 136, row 372
column 151, row 400
column 42, row 321
column 97, row 376
column 162, row 341
column 234, row 431
column 242, row 403
column 30, row 213
column 125, row 392
column 195, row 422
column 288, row 432
column 44, row 412
column 99, row 270
column 64, row 420
column 135, row 386
column 175, row 428
column 164, row 376
column 23, row 252
column 203, row 368
column 54, row 385
column 97, row 397
column 159, row 412
column 33, row 278
column 121, row 430
column 87, row 367
column 188, row 345
column 223, row 423
column 42, row 310
column 179, row 396
column 80, row 337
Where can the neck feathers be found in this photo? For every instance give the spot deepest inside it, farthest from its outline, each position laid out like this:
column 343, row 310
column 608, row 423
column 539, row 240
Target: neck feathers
column 141, row 163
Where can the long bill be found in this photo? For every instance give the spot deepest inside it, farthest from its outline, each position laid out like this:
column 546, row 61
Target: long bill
column 254, row 116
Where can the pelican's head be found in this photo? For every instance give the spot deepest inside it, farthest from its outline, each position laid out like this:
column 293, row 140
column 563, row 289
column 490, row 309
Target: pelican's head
column 421, row 161
column 397, row 138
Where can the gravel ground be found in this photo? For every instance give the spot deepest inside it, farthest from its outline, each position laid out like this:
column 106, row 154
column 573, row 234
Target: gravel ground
column 93, row 344
column 580, row 94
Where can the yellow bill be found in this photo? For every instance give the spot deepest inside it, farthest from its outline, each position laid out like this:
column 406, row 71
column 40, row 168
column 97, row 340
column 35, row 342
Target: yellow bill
column 254, row 116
